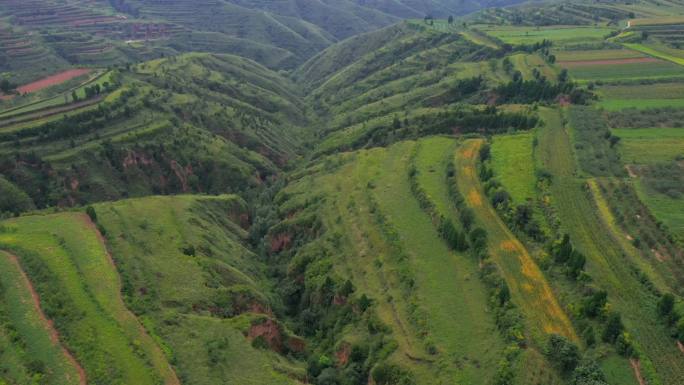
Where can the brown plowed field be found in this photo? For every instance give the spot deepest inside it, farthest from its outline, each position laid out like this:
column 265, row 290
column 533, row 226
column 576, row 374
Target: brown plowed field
column 52, row 80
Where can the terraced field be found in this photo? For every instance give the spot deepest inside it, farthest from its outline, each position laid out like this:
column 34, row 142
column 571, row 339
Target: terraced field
column 607, row 261
column 513, row 164
column 651, row 145
column 448, row 294
column 623, row 69
column 21, row 318
column 560, row 35
column 528, row 285
column 57, row 251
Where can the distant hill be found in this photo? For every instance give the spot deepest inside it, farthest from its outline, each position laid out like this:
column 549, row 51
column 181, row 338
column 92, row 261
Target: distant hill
column 39, row 36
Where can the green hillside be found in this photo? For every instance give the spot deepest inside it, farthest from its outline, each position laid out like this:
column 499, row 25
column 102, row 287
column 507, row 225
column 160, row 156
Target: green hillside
column 315, row 192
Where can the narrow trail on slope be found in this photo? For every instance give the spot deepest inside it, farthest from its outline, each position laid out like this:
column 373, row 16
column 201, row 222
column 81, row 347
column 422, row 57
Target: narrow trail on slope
column 158, row 358
column 54, row 334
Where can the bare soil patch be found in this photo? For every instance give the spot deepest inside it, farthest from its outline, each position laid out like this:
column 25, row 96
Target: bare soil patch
column 52, row 80
column 636, row 365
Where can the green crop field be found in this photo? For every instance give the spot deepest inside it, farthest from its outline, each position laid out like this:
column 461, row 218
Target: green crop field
column 514, row 166
column 561, row 35
column 650, row 145
column 660, row 52
column 614, row 104
column 643, row 91
column 626, row 71
column 665, row 208
column 597, row 54
column 438, row 271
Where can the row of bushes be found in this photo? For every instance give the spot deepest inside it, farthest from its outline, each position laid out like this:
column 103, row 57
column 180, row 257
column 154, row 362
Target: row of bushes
column 572, row 261
column 77, row 124
column 463, row 236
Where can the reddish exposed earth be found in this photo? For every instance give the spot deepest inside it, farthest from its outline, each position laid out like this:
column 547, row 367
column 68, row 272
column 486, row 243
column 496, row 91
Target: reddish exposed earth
column 583, row 63
column 52, row 80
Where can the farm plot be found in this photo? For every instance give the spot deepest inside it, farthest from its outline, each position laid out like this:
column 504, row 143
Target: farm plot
column 52, row 80
column 659, row 51
column 650, row 145
column 529, row 287
column 649, row 151
column 560, row 35
column 606, row 70
column 55, row 97
column 666, row 208
column 526, row 64
column 607, row 262
column 596, row 54
column 642, row 96
column 67, row 261
column 513, row 164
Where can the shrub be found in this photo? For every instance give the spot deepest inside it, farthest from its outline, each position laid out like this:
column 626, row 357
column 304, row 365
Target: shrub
column 391, row 374
column 666, row 305
column 588, row 373
column 562, row 353
column 614, row 328
column 91, row 213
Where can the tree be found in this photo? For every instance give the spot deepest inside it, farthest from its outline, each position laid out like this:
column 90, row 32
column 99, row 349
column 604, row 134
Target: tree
column 6, row 86
column 562, row 353
column 666, row 305
column 680, row 329
column 74, row 96
column 592, row 305
column 451, row 20
column 391, row 374
column 588, row 373
column 614, row 328
column 576, row 263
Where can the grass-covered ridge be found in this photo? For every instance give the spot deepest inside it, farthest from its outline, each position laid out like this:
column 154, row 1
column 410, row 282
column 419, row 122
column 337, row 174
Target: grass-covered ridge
column 433, row 202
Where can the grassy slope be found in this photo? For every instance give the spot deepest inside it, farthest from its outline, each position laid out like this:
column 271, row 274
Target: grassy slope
column 172, row 292
column 606, row 263
column 173, row 117
column 31, row 339
column 448, row 294
column 650, row 145
column 513, row 164
column 528, row 285
column 447, row 277
column 70, row 248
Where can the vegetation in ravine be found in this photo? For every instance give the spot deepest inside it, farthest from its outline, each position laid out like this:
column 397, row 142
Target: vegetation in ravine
column 490, row 200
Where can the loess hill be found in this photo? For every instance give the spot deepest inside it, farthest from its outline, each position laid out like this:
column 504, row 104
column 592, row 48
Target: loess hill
column 476, row 202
